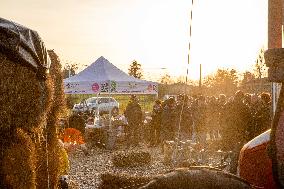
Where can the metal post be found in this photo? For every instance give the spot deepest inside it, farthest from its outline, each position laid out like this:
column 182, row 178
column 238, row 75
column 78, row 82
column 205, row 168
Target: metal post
column 111, row 132
column 274, row 98
column 200, row 76
column 110, row 126
column 274, row 35
column 97, row 102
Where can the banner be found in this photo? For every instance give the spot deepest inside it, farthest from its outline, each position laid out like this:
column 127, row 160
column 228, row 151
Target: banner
column 89, row 87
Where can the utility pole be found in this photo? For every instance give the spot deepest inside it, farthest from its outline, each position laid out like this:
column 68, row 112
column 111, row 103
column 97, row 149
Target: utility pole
column 200, row 76
column 274, row 24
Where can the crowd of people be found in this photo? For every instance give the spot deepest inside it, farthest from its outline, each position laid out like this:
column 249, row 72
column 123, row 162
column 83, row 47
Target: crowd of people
column 235, row 119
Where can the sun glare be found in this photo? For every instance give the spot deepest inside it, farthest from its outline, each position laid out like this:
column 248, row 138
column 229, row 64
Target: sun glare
column 225, row 34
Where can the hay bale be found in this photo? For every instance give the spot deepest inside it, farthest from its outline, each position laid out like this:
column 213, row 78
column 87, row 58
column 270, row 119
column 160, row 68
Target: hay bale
column 18, row 163
column 58, row 164
column 55, row 153
column 131, row 159
column 25, row 102
column 64, row 164
column 58, row 159
column 116, row 181
column 18, row 95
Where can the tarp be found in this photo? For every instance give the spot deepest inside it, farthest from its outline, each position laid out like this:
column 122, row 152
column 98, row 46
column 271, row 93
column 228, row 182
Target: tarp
column 23, row 46
column 103, row 77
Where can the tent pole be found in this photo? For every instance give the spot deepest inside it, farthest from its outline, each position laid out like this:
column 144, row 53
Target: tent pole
column 97, row 110
column 109, row 86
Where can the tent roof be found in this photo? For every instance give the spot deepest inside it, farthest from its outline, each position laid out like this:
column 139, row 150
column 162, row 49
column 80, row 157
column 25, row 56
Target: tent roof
column 102, row 70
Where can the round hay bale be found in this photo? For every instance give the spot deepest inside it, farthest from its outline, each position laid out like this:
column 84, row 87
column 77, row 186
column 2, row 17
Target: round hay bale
column 116, row 181
column 58, row 164
column 197, row 178
column 25, row 102
column 131, row 159
column 18, row 163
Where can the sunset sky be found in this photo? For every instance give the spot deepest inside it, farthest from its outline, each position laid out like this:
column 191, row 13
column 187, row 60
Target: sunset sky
column 226, row 33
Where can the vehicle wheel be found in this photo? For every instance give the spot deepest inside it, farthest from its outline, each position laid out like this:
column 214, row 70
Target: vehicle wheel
column 115, row 111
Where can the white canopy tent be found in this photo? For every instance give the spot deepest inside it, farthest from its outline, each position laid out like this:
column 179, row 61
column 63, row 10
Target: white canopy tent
column 103, row 77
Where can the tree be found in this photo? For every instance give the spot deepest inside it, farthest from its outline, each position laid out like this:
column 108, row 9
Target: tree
column 135, row 69
column 260, row 68
column 166, row 79
column 223, row 81
column 69, row 70
column 248, row 76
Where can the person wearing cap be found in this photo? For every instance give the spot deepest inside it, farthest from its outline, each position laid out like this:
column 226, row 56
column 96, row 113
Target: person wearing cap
column 133, row 114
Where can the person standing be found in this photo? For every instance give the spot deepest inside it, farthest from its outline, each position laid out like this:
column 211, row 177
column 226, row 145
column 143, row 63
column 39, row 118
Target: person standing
column 200, row 120
column 212, row 118
column 168, row 120
column 263, row 114
column 183, row 118
column 133, row 114
column 236, row 130
column 155, row 130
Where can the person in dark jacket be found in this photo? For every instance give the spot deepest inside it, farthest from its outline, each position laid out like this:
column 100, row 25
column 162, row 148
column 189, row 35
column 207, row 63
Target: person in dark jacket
column 155, row 130
column 249, row 102
column 168, row 120
column 213, row 118
column 200, row 120
column 183, row 118
column 263, row 114
column 133, row 114
column 236, row 131
column 237, row 119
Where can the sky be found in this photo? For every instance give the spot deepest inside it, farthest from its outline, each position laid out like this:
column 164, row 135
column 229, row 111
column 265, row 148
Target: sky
column 225, row 33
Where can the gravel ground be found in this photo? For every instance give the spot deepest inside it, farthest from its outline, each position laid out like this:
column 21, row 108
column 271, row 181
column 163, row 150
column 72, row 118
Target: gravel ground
column 86, row 170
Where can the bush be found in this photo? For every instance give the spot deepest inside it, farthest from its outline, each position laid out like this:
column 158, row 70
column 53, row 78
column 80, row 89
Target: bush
column 117, row 181
column 131, row 159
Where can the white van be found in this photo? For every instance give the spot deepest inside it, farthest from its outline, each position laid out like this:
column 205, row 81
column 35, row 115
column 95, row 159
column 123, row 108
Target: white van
column 100, row 104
